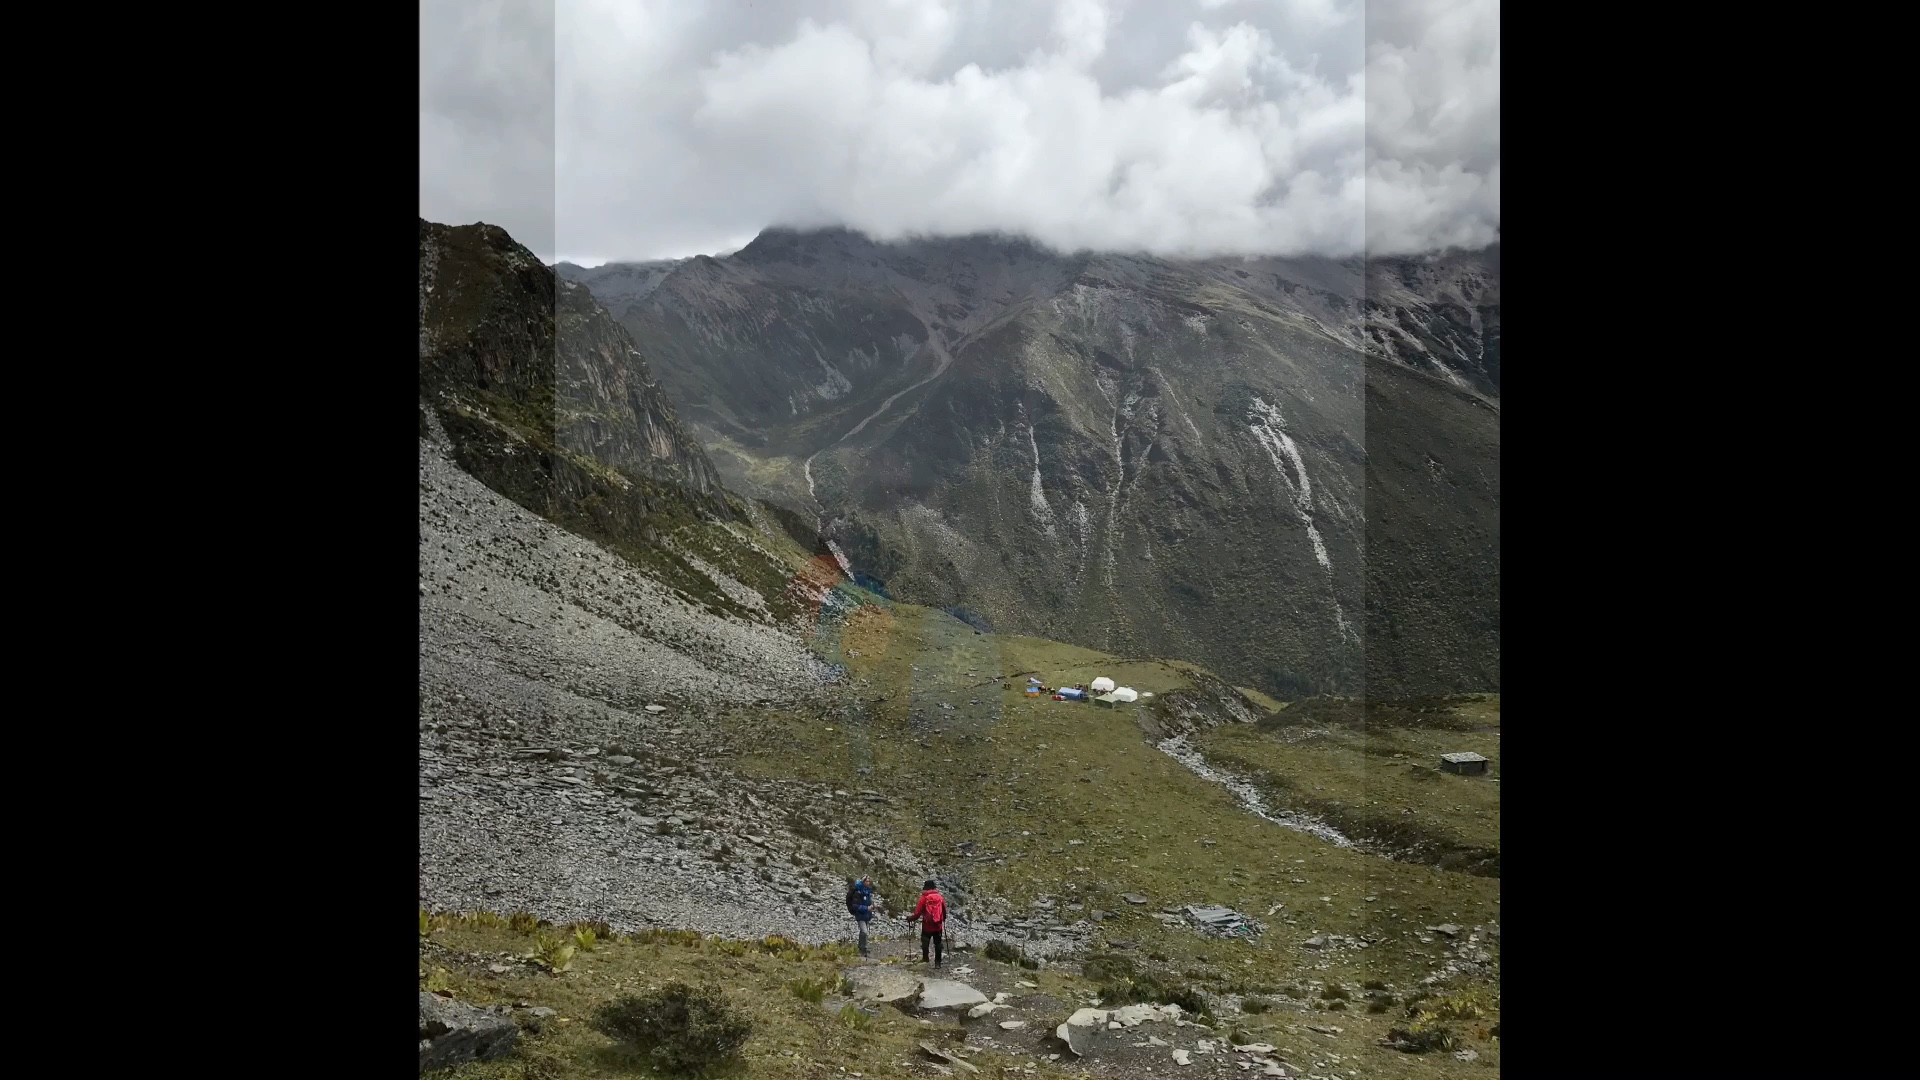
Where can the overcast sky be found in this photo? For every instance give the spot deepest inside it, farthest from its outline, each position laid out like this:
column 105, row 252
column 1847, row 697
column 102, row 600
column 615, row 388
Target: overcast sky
column 634, row 129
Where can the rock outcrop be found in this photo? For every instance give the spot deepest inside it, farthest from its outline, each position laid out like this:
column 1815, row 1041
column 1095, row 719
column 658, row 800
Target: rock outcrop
column 454, row 1033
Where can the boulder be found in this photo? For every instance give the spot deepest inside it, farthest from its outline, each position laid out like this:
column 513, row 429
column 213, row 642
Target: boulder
column 453, row 1033
column 881, row 983
column 1079, row 1029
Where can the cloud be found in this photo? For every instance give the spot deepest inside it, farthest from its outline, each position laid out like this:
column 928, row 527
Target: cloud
column 487, row 116
column 1205, row 127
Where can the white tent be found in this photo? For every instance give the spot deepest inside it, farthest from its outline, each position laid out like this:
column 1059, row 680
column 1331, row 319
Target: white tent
column 1127, row 693
column 1101, row 685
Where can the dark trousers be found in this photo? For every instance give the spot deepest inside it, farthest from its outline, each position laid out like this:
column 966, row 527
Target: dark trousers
column 937, row 938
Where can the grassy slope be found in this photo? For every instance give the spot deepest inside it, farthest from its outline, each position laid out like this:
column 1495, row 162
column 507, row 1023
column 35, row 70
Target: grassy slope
column 792, row 1038
column 1379, row 778
column 1008, row 778
column 795, row 1038
column 1013, row 788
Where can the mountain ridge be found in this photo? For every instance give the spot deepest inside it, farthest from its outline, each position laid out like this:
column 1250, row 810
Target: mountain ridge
column 983, row 424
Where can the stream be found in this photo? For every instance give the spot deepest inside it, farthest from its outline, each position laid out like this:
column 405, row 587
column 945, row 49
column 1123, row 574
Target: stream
column 1177, row 749
column 946, row 358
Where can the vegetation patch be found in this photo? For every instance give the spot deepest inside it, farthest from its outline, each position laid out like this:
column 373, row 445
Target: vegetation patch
column 678, row 1029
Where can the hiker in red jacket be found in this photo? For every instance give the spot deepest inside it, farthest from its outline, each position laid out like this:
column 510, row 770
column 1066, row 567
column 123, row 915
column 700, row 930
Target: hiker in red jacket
column 933, row 909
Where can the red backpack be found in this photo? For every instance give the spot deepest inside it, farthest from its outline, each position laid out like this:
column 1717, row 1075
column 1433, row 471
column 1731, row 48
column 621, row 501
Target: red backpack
column 936, row 907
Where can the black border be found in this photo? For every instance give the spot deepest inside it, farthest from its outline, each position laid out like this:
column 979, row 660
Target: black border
column 1589, row 594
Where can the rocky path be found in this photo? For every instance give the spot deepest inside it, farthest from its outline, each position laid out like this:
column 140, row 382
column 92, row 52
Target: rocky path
column 1018, row 1013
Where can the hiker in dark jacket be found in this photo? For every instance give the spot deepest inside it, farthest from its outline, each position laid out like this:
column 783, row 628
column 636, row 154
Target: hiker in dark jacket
column 931, row 913
column 860, row 906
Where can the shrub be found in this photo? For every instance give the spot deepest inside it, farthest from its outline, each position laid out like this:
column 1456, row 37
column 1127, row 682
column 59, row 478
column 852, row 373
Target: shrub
column 683, row 938
column 1001, row 951
column 854, row 1017
column 438, row 981
column 1334, row 992
column 810, row 990
column 1255, row 1005
column 1471, row 1004
column 678, row 1028
column 1420, row 1039
column 1029, row 963
column 1373, row 984
column 1150, row 989
column 523, row 922
column 425, row 924
column 555, row 952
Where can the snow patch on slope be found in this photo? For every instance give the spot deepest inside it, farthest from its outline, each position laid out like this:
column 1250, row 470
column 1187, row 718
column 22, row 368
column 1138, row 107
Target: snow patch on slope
column 1042, row 510
column 841, row 558
column 1269, row 430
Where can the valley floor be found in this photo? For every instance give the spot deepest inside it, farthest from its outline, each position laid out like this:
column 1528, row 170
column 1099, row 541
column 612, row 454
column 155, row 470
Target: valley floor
column 593, row 749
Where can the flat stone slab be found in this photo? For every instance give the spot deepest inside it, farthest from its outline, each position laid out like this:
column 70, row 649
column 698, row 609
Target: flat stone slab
column 881, row 982
column 947, row 994
column 1224, row 921
column 941, row 1055
column 1135, row 1015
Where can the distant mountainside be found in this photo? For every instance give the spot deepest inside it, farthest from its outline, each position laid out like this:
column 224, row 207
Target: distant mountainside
column 1286, row 469
column 618, row 284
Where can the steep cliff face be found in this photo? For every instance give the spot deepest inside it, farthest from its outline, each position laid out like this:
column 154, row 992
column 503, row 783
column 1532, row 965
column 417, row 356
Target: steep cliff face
column 516, row 361
column 1286, row 470
column 533, row 390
